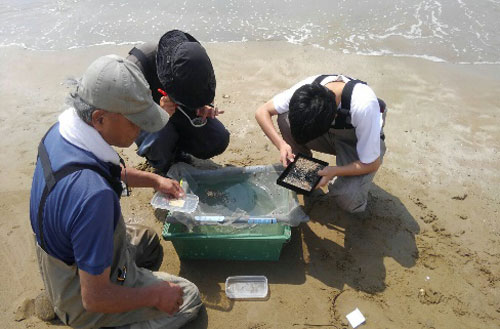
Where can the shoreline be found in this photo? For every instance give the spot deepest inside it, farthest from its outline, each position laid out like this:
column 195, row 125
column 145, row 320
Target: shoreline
column 428, row 58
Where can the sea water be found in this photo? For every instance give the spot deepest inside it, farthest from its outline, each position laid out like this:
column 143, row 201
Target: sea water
column 237, row 194
column 456, row 31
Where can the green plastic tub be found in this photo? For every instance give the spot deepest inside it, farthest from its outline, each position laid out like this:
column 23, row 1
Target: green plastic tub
column 260, row 242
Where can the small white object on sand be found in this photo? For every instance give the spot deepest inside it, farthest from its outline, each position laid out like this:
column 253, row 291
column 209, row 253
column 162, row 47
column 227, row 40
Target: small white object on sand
column 355, row 318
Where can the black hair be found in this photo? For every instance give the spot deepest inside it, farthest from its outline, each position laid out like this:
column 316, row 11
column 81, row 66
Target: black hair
column 311, row 112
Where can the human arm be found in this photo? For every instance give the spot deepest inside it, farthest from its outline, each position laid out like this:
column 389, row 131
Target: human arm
column 100, row 295
column 138, row 178
column 356, row 168
column 93, row 216
column 366, row 118
column 264, row 115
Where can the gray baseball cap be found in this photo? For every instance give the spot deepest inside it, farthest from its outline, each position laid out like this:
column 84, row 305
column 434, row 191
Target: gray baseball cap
column 114, row 84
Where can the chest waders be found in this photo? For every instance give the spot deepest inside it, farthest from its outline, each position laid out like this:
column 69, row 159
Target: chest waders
column 148, row 63
column 62, row 280
column 342, row 134
column 350, row 192
column 343, row 117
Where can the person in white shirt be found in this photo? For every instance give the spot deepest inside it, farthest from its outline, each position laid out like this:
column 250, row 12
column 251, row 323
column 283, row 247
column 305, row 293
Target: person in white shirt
column 311, row 116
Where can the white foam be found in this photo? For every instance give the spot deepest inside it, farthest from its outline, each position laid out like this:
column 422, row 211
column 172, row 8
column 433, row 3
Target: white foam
column 440, row 29
column 106, row 43
column 386, row 52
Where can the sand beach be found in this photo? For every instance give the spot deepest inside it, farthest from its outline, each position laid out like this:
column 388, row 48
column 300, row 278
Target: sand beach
column 425, row 254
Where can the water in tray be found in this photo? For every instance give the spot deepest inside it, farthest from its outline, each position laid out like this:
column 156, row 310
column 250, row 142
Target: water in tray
column 242, row 194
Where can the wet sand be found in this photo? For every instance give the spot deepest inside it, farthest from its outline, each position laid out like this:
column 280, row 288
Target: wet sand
column 424, row 255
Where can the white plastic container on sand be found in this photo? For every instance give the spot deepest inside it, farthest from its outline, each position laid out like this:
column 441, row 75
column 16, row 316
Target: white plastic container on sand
column 247, row 287
column 186, row 204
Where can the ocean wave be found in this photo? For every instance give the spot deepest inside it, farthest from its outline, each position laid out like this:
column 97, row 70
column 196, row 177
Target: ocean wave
column 455, row 31
column 393, row 54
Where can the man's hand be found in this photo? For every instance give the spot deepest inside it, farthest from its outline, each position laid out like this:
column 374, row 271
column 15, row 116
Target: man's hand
column 169, row 297
column 167, row 104
column 356, row 168
column 169, row 187
column 286, row 155
column 208, row 111
column 327, row 175
column 100, row 295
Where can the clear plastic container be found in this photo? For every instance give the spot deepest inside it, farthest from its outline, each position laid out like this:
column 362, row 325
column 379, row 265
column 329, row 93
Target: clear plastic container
column 247, row 287
column 186, row 204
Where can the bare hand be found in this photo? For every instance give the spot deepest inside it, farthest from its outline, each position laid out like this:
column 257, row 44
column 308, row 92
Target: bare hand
column 170, row 187
column 208, row 111
column 167, row 104
column 327, row 174
column 169, row 297
column 286, row 155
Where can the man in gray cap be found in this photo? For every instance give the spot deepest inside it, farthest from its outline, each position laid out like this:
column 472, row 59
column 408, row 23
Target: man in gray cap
column 182, row 80
column 97, row 271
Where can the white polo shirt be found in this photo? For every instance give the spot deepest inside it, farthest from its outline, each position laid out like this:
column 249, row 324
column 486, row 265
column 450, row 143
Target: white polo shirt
column 365, row 114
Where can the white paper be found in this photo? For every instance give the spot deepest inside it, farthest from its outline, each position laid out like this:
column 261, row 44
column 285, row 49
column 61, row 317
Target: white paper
column 179, row 203
column 355, row 318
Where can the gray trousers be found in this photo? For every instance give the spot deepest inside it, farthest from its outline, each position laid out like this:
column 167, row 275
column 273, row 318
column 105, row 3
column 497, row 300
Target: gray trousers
column 187, row 312
column 149, row 254
column 350, row 192
column 133, row 245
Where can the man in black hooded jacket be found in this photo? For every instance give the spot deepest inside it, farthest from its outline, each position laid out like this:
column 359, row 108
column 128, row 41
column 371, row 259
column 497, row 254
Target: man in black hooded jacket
column 182, row 81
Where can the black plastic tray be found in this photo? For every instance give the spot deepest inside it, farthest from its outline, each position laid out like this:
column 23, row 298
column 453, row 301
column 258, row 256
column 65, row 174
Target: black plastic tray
column 305, row 181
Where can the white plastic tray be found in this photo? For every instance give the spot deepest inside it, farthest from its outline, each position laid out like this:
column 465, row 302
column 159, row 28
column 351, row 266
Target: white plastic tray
column 186, row 204
column 247, row 287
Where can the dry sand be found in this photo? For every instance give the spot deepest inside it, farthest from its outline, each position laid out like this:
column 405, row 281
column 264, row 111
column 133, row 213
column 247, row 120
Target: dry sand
column 424, row 255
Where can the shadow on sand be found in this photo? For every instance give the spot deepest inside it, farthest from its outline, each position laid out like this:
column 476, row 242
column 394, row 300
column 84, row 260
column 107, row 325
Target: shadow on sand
column 334, row 247
column 352, row 251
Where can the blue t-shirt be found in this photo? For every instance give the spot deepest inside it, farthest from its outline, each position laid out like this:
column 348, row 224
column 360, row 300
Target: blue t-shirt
column 80, row 213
